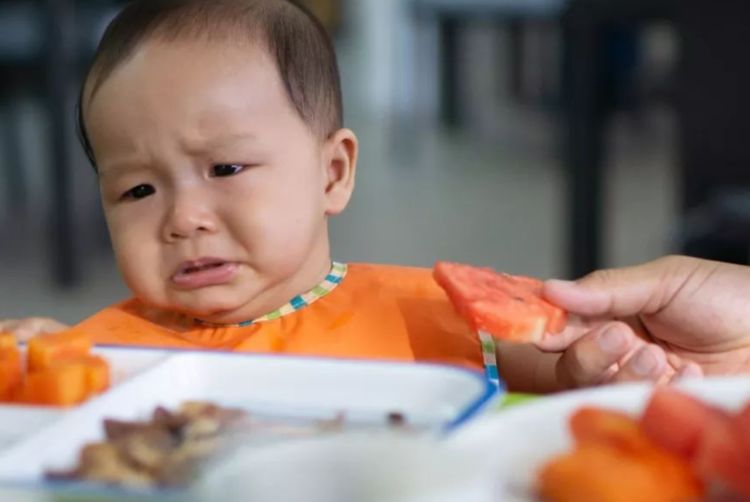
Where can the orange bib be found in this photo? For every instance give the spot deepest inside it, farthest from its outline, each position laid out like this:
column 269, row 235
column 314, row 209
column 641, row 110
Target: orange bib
column 373, row 311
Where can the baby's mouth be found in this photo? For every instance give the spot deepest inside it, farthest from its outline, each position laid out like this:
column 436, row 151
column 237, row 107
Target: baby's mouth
column 204, row 272
column 189, row 269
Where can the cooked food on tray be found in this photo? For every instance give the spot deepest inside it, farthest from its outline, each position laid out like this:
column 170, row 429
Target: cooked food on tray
column 169, row 449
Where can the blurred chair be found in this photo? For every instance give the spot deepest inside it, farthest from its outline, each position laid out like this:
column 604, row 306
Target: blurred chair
column 585, row 113
column 43, row 45
column 713, row 106
column 718, row 228
column 586, row 89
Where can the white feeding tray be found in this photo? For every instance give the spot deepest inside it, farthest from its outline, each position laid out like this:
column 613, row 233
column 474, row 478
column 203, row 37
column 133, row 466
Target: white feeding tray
column 363, row 392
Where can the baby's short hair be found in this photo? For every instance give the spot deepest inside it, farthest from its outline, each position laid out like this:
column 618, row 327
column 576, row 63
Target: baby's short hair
column 295, row 39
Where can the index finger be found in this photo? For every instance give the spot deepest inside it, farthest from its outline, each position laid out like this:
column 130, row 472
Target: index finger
column 576, row 328
column 613, row 293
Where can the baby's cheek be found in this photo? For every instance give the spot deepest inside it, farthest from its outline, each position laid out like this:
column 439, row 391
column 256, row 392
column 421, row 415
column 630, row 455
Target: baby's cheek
column 132, row 273
column 139, row 268
column 282, row 246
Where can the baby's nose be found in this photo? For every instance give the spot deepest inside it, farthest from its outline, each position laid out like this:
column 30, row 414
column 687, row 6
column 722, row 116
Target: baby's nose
column 188, row 218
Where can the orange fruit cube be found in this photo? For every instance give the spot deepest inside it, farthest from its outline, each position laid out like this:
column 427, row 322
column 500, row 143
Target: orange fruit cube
column 11, row 372
column 96, row 368
column 45, row 349
column 607, row 427
column 604, row 473
column 8, row 340
column 60, row 385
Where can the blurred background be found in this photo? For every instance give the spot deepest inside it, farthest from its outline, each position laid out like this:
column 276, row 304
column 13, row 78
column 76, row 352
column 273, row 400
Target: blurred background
column 543, row 137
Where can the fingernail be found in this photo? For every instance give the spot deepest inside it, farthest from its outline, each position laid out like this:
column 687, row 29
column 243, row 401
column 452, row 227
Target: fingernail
column 612, row 340
column 644, row 362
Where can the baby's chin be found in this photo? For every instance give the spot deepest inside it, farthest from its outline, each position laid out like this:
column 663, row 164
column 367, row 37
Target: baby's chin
column 215, row 312
column 209, row 307
column 225, row 304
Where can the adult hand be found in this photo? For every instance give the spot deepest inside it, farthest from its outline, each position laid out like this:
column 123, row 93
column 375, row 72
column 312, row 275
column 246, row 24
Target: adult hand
column 671, row 317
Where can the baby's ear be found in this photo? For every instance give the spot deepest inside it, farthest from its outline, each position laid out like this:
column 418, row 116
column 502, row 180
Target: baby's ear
column 340, row 157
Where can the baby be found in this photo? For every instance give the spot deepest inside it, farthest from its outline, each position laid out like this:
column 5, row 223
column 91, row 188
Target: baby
column 215, row 129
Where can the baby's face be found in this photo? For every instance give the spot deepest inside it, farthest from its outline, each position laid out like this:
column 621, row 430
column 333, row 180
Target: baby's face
column 213, row 187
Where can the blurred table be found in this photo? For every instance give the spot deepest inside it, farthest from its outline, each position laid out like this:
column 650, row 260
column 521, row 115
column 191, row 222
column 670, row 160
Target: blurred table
column 584, row 110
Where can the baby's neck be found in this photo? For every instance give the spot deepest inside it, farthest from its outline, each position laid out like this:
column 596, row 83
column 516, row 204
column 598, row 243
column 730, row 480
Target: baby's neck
column 274, row 298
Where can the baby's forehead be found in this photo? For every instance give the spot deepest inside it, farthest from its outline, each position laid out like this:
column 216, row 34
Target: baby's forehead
column 192, row 73
column 193, row 98
column 291, row 41
column 177, row 56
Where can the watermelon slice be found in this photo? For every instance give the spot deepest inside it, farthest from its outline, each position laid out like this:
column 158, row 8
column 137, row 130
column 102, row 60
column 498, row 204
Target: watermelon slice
column 507, row 306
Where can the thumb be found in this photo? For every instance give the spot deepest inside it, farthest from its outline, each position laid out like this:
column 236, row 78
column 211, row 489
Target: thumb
column 614, row 292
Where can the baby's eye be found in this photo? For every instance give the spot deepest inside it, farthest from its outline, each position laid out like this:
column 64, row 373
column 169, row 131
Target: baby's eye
column 226, row 169
column 139, row 192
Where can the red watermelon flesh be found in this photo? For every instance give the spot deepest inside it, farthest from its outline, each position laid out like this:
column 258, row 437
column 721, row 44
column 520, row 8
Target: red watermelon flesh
column 509, row 307
column 724, row 459
column 742, row 422
column 678, row 422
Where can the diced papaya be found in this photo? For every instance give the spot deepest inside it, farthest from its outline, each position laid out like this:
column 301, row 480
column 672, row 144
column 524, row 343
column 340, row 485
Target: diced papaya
column 60, row 385
column 44, row 350
column 11, row 372
column 602, row 473
column 622, row 433
column 607, row 427
column 97, row 374
column 8, row 340
column 97, row 371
